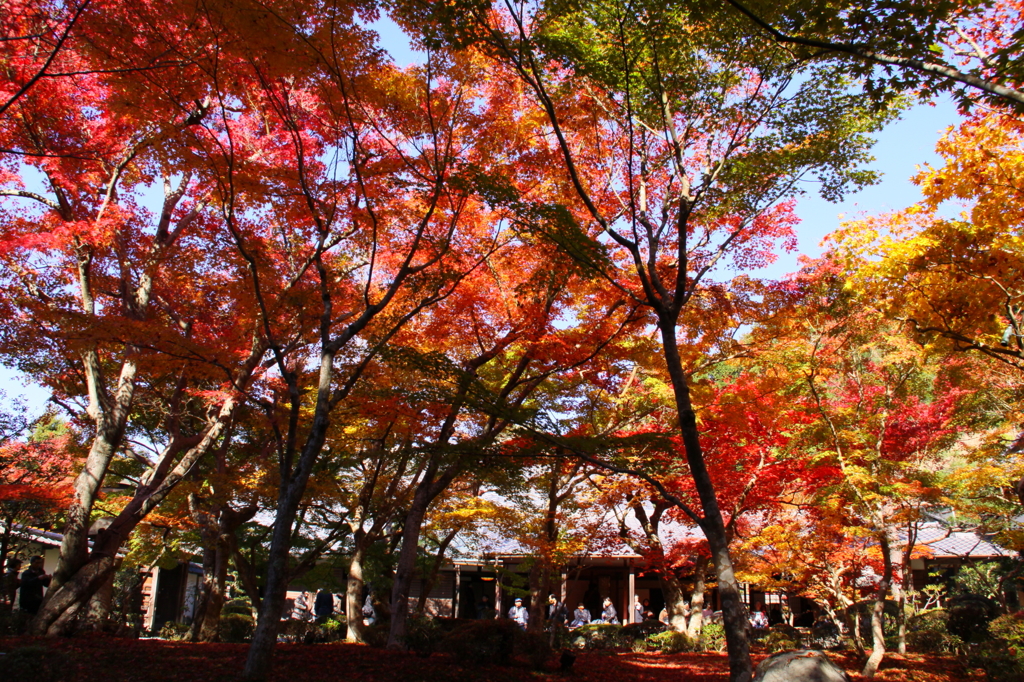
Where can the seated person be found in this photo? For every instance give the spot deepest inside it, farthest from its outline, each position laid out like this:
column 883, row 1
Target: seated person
column 580, row 617
column 609, row 616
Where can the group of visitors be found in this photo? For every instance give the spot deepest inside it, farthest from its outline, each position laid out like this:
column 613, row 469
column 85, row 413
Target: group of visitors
column 28, row 586
column 559, row 615
column 325, row 604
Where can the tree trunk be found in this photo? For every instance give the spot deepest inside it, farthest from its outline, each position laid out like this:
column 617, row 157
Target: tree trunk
column 878, row 613
column 354, row 592
column 734, row 618
column 900, row 589
column 700, row 569
column 429, row 488
column 272, row 605
column 406, row 567
column 539, row 581
column 675, row 602
column 97, row 612
column 293, row 487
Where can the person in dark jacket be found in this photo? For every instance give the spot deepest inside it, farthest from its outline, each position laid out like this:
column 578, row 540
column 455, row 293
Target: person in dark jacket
column 580, row 617
column 609, row 616
column 557, row 613
column 323, row 605
column 33, row 582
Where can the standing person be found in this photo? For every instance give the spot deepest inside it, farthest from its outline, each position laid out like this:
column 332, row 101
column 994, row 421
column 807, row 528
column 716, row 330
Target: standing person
column 609, row 616
column 759, row 619
column 580, row 617
column 11, row 581
column 369, row 611
column 519, row 614
column 638, row 609
column 483, row 609
column 323, row 605
column 33, row 580
column 557, row 614
column 302, row 606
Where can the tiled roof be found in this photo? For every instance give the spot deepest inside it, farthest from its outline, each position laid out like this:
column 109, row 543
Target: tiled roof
column 940, row 542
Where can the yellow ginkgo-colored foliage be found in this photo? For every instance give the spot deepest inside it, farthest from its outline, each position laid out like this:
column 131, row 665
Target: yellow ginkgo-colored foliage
column 956, row 280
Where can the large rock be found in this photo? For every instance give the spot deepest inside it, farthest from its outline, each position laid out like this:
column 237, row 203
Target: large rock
column 804, row 665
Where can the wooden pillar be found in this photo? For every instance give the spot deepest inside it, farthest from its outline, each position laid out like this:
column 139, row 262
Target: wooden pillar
column 497, row 588
column 564, row 589
column 154, row 586
column 630, row 610
column 455, row 594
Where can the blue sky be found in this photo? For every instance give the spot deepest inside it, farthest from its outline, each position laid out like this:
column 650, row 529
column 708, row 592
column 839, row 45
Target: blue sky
column 902, row 147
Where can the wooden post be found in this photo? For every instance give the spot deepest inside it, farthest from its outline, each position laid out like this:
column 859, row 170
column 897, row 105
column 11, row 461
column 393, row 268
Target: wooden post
column 564, row 589
column 497, row 588
column 455, row 594
column 630, row 609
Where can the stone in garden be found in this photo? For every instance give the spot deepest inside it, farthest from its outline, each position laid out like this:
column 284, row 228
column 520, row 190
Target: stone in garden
column 804, row 665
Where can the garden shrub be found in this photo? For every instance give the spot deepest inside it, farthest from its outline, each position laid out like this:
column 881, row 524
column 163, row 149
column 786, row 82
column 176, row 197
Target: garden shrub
column 999, row 662
column 482, row 641
column 237, row 606
column 422, row 636
column 534, row 647
column 333, row 629
column 600, row 636
column 35, row 664
column 174, row 631
column 672, row 642
column 932, row 641
column 826, row 635
column 712, row 637
column 1009, row 628
column 777, row 640
column 643, row 630
column 376, row 635
column 969, row 617
column 1003, row 658
column 235, row 628
column 927, row 633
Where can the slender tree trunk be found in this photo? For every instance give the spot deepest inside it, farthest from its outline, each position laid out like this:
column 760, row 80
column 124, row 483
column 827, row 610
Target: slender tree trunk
column 900, row 590
column 210, row 631
column 734, row 618
column 354, row 592
column 852, row 615
column 293, row 487
column 700, row 569
column 406, row 566
column 878, row 613
column 539, row 577
column 429, row 488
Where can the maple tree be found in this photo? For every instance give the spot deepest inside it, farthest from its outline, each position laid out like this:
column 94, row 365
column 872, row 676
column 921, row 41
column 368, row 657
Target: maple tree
column 882, row 415
column 35, row 476
column 682, row 157
column 92, row 266
column 956, row 280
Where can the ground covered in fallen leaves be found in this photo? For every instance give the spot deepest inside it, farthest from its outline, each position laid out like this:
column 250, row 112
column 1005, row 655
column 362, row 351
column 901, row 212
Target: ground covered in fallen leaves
column 104, row 659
